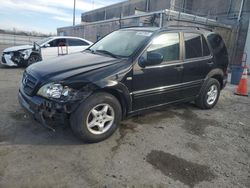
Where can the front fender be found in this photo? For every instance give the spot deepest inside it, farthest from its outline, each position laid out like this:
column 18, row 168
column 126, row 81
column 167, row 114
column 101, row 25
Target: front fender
column 120, row 91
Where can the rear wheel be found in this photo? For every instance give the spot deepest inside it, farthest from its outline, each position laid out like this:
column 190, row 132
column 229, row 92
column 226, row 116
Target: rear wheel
column 97, row 118
column 209, row 94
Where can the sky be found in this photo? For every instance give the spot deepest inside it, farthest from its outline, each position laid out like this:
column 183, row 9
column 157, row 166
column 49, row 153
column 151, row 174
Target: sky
column 45, row 15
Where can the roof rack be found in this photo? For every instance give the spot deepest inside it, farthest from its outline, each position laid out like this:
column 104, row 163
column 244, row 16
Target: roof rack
column 197, row 27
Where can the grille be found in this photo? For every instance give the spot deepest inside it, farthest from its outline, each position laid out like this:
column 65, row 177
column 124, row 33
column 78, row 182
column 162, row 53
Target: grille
column 29, row 83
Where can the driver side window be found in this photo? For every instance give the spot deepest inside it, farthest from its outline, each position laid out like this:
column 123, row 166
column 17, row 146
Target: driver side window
column 167, row 45
column 57, row 42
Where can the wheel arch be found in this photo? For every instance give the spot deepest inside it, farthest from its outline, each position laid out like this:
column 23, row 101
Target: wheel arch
column 35, row 53
column 216, row 74
column 118, row 90
column 122, row 96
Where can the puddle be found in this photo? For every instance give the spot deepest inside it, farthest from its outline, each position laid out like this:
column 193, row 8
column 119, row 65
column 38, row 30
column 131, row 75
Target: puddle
column 153, row 117
column 193, row 124
column 124, row 129
column 179, row 169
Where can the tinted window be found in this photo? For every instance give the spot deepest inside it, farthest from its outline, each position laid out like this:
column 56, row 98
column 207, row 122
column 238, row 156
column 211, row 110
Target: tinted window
column 206, row 51
column 168, row 45
column 57, row 42
column 193, row 45
column 76, row 42
column 217, row 43
column 219, row 48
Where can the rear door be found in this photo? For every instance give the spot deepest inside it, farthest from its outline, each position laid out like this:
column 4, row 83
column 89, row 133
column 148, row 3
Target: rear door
column 197, row 63
column 159, row 84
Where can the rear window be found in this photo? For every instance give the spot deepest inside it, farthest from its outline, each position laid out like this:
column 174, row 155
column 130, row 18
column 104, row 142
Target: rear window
column 217, row 43
column 193, row 45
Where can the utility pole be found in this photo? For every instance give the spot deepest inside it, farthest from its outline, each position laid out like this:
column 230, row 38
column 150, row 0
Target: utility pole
column 74, row 13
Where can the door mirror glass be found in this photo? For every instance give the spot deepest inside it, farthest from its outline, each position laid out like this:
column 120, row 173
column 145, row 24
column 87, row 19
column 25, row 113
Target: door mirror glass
column 153, row 58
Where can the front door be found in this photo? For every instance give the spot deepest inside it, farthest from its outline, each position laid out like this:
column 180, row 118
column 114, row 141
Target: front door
column 158, row 84
column 53, row 49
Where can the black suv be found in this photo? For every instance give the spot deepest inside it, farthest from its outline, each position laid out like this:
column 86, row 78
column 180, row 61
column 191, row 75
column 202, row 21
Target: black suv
column 127, row 71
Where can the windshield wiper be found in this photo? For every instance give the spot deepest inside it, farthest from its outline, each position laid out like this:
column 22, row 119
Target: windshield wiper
column 107, row 52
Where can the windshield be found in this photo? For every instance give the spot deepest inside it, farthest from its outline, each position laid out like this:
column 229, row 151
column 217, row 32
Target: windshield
column 121, row 43
column 42, row 41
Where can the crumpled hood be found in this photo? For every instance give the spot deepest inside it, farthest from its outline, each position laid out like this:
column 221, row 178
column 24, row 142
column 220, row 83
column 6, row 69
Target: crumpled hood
column 17, row 48
column 69, row 65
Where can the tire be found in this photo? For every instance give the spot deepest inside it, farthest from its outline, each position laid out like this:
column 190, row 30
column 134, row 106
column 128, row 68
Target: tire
column 81, row 119
column 33, row 59
column 203, row 101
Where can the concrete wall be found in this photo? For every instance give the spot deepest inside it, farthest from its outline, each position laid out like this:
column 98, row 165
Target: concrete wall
column 123, row 9
column 224, row 11
column 221, row 9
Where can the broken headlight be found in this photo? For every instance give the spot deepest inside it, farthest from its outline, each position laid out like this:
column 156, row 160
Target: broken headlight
column 26, row 53
column 55, row 91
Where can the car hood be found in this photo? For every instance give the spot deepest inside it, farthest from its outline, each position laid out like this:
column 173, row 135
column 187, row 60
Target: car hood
column 17, row 48
column 63, row 67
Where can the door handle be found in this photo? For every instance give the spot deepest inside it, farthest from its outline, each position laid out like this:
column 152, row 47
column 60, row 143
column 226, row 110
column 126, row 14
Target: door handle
column 179, row 67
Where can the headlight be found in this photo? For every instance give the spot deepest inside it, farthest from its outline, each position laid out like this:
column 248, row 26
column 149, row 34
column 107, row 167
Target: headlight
column 53, row 90
column 26, row 53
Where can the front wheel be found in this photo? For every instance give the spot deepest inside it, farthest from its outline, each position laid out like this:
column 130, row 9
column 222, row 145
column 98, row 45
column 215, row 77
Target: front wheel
column 97, row 118
column 209, row 94
column 33, row 59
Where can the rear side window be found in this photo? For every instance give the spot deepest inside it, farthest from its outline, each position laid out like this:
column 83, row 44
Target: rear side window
column 168, row 45
column 206, row 50
column 76, row 42
column 193, row 45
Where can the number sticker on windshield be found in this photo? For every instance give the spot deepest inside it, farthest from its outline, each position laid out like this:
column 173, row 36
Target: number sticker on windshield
column 143, row 33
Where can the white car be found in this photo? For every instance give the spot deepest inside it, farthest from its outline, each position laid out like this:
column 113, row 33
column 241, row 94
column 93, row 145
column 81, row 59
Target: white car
column 46, row 48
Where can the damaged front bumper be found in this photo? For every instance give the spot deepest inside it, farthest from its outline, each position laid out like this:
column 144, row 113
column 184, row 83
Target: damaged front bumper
column 7, row 60
column 42, row 109
column 16, row 58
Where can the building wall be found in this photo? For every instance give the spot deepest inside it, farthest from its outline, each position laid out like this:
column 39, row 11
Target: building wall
column 220, row 9
column 224, row 11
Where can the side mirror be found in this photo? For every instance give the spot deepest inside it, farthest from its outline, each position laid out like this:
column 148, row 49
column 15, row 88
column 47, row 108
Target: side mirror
column 47, row 45
column 153, row 58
